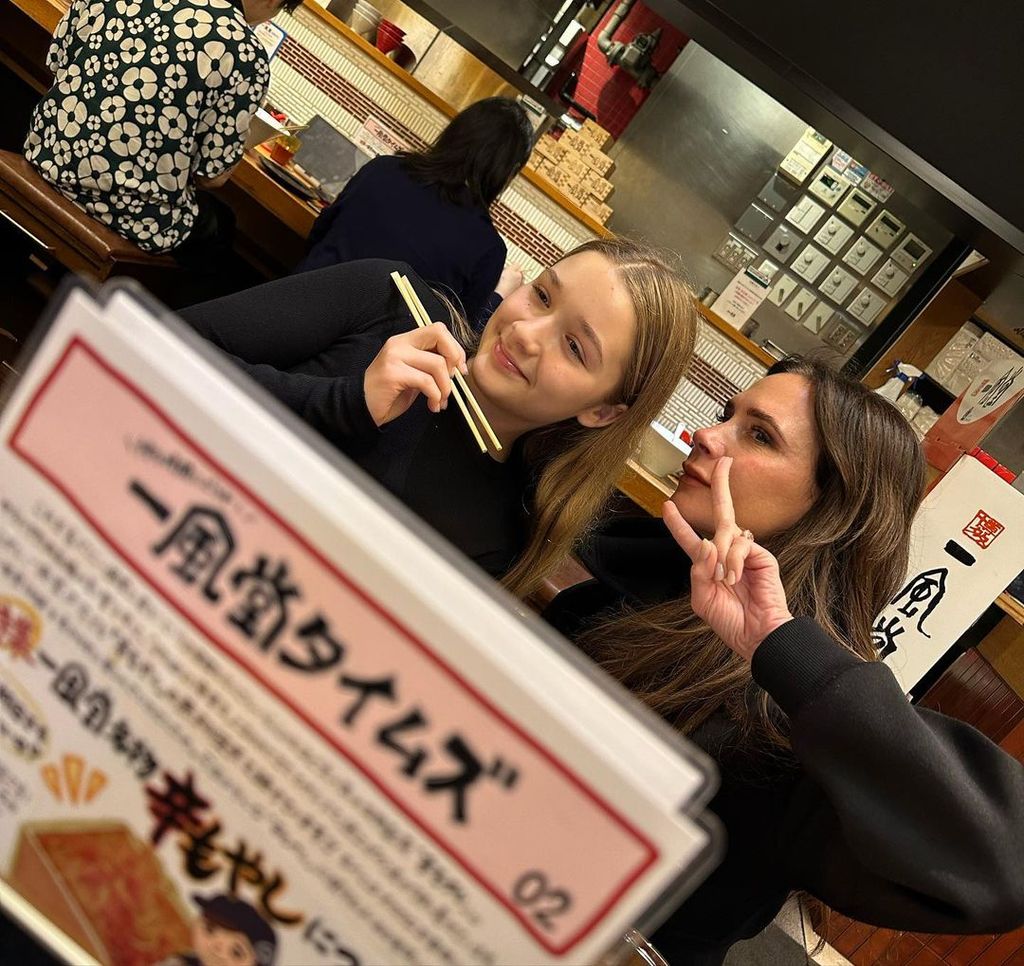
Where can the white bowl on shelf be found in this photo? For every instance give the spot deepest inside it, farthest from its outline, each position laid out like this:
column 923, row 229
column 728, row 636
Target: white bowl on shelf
column 365, row 25
column 661, row 453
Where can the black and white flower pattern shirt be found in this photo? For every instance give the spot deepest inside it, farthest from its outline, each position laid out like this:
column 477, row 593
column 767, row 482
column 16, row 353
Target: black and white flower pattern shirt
column 147, row 96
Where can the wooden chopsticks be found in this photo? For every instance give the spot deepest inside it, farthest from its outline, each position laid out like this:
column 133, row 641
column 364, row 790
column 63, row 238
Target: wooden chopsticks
column 459, row 387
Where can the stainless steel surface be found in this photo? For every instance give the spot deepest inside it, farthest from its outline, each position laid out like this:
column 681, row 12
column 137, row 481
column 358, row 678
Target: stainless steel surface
column 701, row 149
column 501, row 37
column 861, row 119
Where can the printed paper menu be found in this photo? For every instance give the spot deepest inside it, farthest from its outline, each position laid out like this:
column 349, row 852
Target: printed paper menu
column 225, row 713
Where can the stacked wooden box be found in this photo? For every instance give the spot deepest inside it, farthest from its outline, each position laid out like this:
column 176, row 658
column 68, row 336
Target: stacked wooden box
column 577, row 165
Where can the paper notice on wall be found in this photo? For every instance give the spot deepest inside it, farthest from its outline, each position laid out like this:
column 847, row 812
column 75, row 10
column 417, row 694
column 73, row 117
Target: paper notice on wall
column 271, row 36
column 376, row 138
column 967, row 545
column 230, row 704
column 741, row 297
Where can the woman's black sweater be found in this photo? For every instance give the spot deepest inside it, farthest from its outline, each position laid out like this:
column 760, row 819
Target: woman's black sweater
column 309, row 339
column 890, row 813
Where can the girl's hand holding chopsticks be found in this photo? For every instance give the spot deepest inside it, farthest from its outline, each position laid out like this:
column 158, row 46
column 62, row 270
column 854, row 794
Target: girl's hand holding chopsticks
column 419, row 362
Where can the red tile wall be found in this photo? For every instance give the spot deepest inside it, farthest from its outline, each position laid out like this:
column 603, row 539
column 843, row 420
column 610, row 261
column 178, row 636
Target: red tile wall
column 610, row 92
column 973, row 692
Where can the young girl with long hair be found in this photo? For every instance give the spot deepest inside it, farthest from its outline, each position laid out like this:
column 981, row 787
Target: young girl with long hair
column 570, row 370
column 831, row 782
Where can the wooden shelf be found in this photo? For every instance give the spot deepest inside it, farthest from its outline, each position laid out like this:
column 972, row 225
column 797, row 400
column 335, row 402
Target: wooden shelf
column 736, row 336
column 644, row 488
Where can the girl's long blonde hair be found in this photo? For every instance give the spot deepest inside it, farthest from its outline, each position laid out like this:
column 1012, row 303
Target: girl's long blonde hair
column 579, row 465
column 840, row 564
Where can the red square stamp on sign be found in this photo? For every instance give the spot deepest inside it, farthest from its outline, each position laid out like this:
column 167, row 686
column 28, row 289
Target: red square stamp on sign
column 983, row 529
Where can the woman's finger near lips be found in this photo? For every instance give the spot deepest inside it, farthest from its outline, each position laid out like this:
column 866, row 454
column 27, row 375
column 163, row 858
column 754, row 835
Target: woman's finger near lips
column 724, row 515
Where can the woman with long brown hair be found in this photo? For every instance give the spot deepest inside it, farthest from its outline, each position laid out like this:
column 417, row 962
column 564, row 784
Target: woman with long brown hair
column 831, row 782
column 569, row 370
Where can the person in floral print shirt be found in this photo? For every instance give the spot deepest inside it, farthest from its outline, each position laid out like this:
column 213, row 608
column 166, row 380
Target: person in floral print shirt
column 151, row 101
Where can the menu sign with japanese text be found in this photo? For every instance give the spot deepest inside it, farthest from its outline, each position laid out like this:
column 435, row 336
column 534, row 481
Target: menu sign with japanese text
column 231, row 710
column 966, row 546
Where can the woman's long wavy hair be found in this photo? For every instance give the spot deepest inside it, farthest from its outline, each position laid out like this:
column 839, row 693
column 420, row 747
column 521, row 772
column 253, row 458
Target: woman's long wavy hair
column 476, row 156
column 840, row 564
column 578, row 465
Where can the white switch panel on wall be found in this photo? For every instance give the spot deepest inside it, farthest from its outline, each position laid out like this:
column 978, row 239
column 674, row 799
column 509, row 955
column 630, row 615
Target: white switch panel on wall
column 856, row 207
column 862, row 255
column 818, row 318
column 828, row 185
column 810, row 263
column 885, row 229
column 837, row 284
column 833, row 235
column 910, row 252
column 866, row 305
column 890, row 278
column 783, row 289
column 804, row 214
column 800, row 304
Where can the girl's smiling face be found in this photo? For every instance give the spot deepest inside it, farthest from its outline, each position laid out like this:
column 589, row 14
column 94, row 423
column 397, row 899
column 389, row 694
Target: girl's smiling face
column 557, row 348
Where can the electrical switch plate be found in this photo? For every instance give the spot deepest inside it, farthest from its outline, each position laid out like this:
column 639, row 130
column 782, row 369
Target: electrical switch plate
column 735, row 253
column 862, row 255
column 818, row 318
column 796, row 168
column 841, row 337
column 890, row 278
column 800, row 304
column 777, row 194
column 805, row 155
column 828, row 186
column 856, row 207
column 837, row 284
column 805, row 214
column 754, row 222
column 885, row 229
column 866, row 305
column 833, row 235
column 783, row 289
column 782, row 243
column 810, row 263
column 910, row 253
column 768, row 269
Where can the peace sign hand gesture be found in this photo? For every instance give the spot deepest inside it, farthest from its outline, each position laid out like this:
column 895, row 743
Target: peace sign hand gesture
column 734, row 583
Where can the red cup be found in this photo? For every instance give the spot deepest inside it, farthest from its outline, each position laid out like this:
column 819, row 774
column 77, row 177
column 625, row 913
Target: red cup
column 387, row 42
column 389, row 36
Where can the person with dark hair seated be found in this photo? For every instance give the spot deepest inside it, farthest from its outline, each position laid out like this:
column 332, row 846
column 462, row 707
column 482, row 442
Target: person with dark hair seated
column 152, row 100
column 430, row 208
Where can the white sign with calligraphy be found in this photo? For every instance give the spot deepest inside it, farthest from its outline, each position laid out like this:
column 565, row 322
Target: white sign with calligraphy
column 967, row 545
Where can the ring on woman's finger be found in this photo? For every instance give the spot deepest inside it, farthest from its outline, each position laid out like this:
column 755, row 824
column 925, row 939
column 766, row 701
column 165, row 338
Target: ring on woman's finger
column 748, row 535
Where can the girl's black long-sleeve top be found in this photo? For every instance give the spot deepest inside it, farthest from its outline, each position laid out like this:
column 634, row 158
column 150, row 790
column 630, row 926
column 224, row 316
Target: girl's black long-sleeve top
column 892, row 814
column 383, row 212
column 309, row 339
